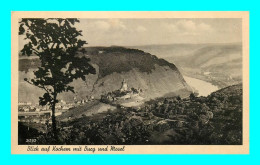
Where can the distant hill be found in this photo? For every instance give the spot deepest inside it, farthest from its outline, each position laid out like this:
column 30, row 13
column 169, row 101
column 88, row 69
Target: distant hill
column 156, row 77
column 170, row 50
column 220, row 64
column 234, row 90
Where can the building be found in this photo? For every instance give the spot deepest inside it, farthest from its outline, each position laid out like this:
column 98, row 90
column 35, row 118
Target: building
column 124, row 86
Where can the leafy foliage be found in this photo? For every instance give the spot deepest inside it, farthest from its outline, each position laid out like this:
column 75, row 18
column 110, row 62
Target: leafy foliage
column 116, row 59
column 56, row 42
column 213, row 120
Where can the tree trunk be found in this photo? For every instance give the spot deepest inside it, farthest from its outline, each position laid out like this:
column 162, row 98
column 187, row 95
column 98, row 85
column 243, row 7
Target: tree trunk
column 53, row 117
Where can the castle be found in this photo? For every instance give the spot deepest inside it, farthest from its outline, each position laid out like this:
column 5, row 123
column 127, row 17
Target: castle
column 122, row 93
column 124, row 86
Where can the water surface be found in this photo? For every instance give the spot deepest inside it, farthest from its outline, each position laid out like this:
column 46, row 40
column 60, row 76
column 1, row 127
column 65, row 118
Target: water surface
column 202, row 87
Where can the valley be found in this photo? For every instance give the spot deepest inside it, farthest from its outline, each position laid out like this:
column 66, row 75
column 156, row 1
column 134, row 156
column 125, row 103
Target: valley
column 139, row 98
column 219, row 64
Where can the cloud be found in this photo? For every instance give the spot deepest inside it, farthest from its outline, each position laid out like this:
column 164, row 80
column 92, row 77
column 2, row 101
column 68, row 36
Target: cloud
column 205, row 27
column 117, row 24
column 110, row 24
column 102, row 25
column 188, row 27
column 140, row 29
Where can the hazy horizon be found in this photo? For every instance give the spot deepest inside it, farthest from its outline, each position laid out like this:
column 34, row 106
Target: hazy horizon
column 220, row 43
column 134, row 32
column 165, row 31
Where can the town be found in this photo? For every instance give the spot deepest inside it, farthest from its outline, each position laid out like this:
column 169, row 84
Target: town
column 35, row 113
column 29, row 112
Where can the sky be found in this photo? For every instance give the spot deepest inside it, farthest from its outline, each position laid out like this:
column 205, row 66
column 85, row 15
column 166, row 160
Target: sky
column 135, row 32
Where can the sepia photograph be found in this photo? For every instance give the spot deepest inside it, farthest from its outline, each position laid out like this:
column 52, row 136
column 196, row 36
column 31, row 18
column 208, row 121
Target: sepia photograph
column 157, row 81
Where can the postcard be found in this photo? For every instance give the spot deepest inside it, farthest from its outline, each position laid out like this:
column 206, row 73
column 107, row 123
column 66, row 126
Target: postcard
column 102, row 82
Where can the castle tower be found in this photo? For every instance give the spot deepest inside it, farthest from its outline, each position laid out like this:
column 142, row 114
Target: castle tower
column 124, row 86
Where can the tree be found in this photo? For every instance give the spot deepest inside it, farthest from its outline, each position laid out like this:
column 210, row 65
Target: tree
column 192, row 96
column 178, row 98
column 56, row 43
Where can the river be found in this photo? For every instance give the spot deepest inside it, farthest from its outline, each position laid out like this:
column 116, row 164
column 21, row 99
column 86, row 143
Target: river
column 202, row 87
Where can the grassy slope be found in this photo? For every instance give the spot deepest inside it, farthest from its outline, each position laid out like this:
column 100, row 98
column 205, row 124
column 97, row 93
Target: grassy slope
column 89, row 109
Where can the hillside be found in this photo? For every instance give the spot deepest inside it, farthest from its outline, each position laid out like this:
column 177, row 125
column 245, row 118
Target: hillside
column 234, row 90
column 89, row 109
column 156, row 77
column 212, row 120
column 220, row 64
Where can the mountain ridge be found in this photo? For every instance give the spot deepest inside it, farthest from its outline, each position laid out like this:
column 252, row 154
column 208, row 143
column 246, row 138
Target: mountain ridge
column 155, row 76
